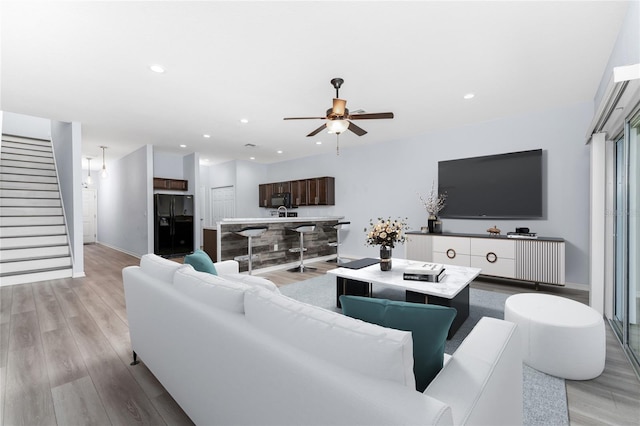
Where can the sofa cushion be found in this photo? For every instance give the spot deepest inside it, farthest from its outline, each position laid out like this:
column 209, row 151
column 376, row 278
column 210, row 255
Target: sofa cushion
column 159, row 267
column 428, row 324
column 200, row 261
column 211, row 289
column 356, row 345
column 253, row 281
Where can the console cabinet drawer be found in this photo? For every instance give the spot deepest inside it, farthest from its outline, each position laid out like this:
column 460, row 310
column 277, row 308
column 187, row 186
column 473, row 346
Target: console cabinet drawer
column 453, row 245
column 496, row 266
column 458, row 260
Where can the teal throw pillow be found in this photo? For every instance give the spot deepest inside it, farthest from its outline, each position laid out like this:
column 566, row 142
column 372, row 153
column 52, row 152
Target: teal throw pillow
column 428, row 324
column 200, row 261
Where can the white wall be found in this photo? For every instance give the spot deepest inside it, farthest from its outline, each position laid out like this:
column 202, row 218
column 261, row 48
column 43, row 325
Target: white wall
column 26, row 125
column 168, row 165
column 67, row 143
column 384, row 179
column 123, row 203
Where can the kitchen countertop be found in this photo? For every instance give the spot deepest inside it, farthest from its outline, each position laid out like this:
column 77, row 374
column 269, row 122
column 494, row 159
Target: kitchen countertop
column 273, row 219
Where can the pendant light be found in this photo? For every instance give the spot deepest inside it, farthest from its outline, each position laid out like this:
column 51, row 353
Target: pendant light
column 103, row 173
column 89, row 178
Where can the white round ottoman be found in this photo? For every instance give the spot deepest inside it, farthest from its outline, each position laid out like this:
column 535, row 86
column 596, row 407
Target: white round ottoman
column 560, row 336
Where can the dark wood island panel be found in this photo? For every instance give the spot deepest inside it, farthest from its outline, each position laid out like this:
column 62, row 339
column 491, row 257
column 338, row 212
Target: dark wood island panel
column 272, row 249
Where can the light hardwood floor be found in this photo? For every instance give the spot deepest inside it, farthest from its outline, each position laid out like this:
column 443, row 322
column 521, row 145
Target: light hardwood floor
column 65, row 353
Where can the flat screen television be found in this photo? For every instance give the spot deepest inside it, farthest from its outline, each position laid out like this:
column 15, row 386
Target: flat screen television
column 503, row 186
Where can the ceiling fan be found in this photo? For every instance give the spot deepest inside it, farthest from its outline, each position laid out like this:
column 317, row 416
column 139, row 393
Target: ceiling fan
column 338, row 117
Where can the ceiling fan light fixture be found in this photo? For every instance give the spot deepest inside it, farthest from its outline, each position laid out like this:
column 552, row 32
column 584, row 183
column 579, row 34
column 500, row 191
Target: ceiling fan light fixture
column 337, row 126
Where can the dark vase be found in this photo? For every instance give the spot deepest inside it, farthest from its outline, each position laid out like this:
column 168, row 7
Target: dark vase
column 431, row 223
column 385, row 258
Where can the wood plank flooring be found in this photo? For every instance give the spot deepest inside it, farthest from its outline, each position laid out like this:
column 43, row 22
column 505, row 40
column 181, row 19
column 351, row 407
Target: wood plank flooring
column 65, row 353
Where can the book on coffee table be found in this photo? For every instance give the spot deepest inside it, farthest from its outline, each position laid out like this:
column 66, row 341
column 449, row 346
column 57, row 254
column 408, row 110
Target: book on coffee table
column 430, row 272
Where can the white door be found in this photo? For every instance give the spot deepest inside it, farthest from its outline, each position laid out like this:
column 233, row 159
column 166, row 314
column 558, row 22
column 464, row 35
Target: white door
column 89, row 211
column 223, row 203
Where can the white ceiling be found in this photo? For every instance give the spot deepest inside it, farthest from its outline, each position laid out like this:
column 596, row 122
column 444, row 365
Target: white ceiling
column 88, row 62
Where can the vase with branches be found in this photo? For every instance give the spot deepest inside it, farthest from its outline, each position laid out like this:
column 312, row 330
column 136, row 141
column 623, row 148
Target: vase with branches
column 433, row 204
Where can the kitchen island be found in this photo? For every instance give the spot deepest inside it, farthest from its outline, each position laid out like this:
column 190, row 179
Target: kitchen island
column 271, row 249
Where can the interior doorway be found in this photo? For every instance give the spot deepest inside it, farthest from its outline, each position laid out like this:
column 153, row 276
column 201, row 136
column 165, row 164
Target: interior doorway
column 89, row 216
column 222, row 204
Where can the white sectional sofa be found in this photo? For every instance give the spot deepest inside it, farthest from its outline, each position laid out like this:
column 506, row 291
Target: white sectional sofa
column 233, row 352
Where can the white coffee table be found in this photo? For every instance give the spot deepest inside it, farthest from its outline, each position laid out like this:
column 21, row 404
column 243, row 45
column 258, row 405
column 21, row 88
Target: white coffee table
column 452, row 290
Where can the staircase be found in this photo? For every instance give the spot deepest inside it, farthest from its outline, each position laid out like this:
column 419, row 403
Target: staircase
column 33, row 236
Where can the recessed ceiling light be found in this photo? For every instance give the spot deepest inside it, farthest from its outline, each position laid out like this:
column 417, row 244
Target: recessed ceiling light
column 279, row 151
column 206, row 160
column 156, row 68
column 183, row 146
column 206, row 136
column 244, row 120
column 469, row 96
column 319, row 143
column 252, row 158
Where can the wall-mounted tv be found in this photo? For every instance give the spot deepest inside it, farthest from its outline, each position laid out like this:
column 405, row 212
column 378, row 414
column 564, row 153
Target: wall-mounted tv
column 504, row 186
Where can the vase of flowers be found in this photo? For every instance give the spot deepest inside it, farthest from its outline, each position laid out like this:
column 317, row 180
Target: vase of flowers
column 433, row 204
column 386, row 233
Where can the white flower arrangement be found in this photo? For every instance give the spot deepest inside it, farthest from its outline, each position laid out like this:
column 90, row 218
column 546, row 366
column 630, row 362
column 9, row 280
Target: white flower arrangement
column 434, row 202
column 386, row 232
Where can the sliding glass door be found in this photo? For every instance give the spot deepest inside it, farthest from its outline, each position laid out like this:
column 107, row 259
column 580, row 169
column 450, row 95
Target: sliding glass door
column 620, row 279
column 626, row 315
column 633, row 236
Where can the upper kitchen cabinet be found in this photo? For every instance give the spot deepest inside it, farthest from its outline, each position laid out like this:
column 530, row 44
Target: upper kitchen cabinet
column 322, row 191
column 281, row 187
column 172, row 184
column 265, row 191
column 299, row 192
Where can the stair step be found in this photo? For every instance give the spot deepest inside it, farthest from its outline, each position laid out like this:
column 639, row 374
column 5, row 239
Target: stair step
column 30, row 186
column 30, row 202
column 22, row 266
column 34, row 241
column 21, row 193
column 33, row 253
column 27, row 171
column 27, row 178
column 30, row 211
column 26, row 150
column 30, row 147
column 30, row 231
column 35, row 276
column 32, row 220
column 25, row 139
column 27, row 165
column 5, row 156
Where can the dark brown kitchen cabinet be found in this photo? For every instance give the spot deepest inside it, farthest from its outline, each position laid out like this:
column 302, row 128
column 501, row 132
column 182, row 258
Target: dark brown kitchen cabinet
column 304, row 192
column 299, row 192
column 280, row 187
column 172, row 184
column 210, row 243
column 322, row 191
column 265, row 191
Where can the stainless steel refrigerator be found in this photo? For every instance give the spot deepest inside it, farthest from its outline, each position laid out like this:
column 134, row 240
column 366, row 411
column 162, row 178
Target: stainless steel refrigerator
column 173, row 235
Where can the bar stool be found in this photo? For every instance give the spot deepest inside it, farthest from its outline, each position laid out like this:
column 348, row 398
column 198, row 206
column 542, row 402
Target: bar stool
column 250, row 232
column 302, row 229
column 338, row 227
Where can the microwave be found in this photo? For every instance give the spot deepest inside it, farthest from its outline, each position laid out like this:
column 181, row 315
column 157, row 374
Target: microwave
column 281, row 199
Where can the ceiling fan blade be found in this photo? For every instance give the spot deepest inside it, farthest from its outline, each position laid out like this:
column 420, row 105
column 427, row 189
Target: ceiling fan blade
column 357, row 130
column 316, row 131
column 372, row 116
column 339, row 106
column 305, row 118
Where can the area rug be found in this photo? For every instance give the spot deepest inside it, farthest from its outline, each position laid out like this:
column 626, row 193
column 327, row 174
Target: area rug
column 544, row 396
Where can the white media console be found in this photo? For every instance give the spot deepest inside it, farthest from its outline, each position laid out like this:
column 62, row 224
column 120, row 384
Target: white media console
column 540, row 260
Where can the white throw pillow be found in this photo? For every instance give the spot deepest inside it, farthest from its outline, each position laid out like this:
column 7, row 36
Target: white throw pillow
column 159, row 267
column 372, row 350
column 253, row 281
column 211, row 289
